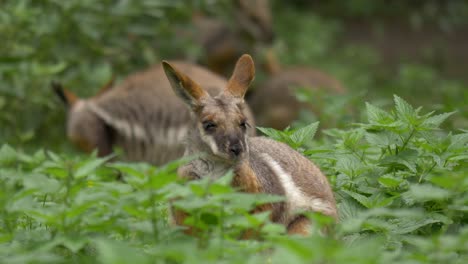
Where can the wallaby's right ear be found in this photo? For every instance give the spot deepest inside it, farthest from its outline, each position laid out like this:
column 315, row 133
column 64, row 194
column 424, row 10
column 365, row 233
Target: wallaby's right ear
column 243, row 75
column 183, row 86
column 66, row 96
column 106, row 87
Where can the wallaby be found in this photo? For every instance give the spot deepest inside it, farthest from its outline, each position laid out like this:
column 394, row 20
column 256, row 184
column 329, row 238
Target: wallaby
column 282, row 106
column 222, row 43
column 222, row 143
column 142, row 115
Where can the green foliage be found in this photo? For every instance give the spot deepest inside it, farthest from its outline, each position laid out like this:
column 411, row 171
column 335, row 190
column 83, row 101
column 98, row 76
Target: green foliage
column 82, row 44
column 293, row 137
column 400, row 183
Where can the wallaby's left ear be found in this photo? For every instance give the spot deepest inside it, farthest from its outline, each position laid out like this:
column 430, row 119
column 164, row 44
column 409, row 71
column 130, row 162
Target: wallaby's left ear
column 66, row 96
column 243, row 75
column 107, row 86
column 183, row 86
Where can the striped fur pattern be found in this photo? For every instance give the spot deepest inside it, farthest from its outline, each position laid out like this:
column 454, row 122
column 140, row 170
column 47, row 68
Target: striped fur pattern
column 142, row 116
column 259, row 164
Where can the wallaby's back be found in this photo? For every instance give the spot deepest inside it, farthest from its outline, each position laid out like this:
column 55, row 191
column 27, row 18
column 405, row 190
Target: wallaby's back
column 283, row 171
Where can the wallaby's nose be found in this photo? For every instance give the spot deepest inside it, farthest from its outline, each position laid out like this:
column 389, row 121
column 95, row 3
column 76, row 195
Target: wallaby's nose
column 236, row 149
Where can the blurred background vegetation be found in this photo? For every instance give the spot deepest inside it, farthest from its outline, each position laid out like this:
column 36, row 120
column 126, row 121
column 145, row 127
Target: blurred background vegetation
column 416, row 49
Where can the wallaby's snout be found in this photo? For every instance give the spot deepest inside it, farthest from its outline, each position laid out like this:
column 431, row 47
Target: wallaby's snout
column 223, row 127
column 235, row 147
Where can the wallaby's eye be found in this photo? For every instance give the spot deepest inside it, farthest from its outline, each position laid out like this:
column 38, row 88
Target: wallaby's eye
column 209, row 126
column 244, row 124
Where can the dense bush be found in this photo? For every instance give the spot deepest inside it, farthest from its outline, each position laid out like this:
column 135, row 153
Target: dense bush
column 400, row 182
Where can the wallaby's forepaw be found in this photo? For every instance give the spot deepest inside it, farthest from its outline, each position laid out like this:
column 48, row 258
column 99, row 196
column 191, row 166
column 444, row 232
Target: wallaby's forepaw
column 186, row 172
column 245, row 178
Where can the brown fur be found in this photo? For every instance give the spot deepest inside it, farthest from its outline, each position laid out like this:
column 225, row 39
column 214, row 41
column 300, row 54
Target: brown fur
column 282, row 106
column 222, row 43
column 300, row 226
column 260, row 164
column 243, row 75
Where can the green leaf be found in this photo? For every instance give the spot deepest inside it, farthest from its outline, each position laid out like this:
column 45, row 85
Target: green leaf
column 301, row 135
column 209, row 218
column 408, row 225
column 282, row 136
column 42, row 183
column 383, row 139
column 119, row 253
column 459, row 142
column 74, row 244
column 272, row 133
column 404, row 110
column 363, row 200
column 377, row 115
column 42, row 69
column 351, row 166
column 426, row 192
column 389, row 181
column 90, row 166
column 435, row 121
column 7, row 155
column 407, row 158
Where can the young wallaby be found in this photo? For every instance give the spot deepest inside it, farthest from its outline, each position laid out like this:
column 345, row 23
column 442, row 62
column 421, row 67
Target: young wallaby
column 142, row 115
column 282, row 106
column 222, row 43
column 260, row 164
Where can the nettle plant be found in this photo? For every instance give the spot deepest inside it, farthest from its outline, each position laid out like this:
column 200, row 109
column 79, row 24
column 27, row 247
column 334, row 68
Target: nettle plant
column 398, row 177
column 56, row 209
column 399, row 180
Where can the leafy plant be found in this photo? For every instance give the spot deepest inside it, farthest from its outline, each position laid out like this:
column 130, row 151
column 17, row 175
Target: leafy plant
column 400, row 183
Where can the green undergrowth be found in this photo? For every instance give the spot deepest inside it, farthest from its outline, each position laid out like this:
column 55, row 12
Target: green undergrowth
column 400, row 184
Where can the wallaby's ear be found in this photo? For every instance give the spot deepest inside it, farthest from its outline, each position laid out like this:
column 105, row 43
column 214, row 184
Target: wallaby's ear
column 109, row 84
column 183, row 86
column 243, row 75
column 66, row 96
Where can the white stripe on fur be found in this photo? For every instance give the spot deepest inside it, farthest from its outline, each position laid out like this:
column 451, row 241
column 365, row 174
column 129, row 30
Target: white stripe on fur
column 209, row 140
column 125, row 127
column 296, row 199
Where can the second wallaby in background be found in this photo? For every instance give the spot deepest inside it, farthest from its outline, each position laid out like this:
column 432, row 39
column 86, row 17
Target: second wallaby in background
column 222, row 43
column 222, row 143
column 282, row 106
column 141, row 115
